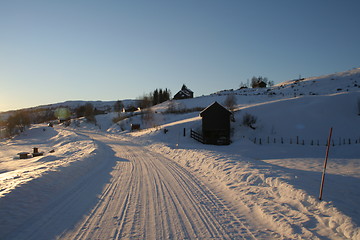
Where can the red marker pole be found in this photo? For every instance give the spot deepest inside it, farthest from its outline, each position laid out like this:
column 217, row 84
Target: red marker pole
column 325, row 162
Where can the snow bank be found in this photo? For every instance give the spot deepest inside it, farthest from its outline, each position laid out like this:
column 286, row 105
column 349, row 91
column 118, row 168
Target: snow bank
column 28, row 185
column 271, row 201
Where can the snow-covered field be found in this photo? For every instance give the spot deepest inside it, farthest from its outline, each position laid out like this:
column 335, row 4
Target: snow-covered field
column 110, row 184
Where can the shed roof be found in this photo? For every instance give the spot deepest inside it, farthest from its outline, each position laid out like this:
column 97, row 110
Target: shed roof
column 215, row 107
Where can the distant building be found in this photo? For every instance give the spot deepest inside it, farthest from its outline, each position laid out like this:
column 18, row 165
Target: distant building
column 135, row 127
column 262, row 84
column 184, row 93
column 216, row 124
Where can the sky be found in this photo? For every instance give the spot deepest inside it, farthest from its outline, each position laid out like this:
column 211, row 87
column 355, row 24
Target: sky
column 54, row 51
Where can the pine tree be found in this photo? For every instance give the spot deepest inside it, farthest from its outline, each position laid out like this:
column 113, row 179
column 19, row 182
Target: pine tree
column 159, row 96
column 155, row 97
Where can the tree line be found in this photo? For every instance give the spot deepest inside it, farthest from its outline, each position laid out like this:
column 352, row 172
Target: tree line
column 19, row 120
column 257, row 82
column 157, row 96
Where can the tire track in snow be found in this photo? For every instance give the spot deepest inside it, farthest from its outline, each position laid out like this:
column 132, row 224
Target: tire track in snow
column 152, row 197
column 103, row 206
column 213, row 203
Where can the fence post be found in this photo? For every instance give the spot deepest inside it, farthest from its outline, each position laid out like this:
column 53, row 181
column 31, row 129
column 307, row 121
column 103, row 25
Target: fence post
column 325, row 162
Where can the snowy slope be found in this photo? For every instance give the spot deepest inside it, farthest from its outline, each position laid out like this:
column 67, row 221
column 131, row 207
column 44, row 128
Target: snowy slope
column 271, row 187
column 293, row 169
column 332, row 83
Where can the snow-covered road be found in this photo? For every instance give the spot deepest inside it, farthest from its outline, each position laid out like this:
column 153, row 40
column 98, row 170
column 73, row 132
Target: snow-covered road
column 135, row 193
column 100, row 185
column 151, row 197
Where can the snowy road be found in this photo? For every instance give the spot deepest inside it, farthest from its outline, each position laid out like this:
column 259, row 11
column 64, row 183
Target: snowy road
column 151, row 197
column 104, row 186
column 135, row 194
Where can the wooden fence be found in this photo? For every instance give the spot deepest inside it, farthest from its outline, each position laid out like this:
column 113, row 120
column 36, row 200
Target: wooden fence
column 197, row 136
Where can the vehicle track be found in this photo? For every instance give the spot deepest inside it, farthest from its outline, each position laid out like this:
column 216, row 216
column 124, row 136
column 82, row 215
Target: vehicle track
column 149, row 196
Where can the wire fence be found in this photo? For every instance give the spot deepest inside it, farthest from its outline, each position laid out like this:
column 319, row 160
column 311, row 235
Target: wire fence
column 302, row 141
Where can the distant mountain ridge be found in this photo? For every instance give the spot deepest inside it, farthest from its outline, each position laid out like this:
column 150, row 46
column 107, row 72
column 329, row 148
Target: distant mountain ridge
column 105, row 106
column 100, row 105
column 73, row 104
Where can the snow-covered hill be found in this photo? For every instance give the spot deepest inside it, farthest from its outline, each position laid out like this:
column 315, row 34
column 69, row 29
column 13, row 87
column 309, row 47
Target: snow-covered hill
column 106, row 106
column 269, row 177
column 100, row 105
column 293, row 123
column 301, row 108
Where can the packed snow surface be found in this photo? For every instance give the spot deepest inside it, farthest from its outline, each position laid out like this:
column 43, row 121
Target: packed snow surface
column 105, row 182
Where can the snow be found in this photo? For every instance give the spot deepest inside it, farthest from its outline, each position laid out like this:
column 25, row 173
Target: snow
column 100, row 105
column 89, row 185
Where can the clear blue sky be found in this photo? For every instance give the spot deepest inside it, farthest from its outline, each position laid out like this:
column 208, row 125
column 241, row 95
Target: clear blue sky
column 53, row 51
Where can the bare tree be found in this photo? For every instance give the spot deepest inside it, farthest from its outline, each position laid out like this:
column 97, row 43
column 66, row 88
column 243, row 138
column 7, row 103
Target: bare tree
column 145, row 101
column 148, row 117
column 18, row 122
column 89, row 112
column 230, row 102
column 249, row 120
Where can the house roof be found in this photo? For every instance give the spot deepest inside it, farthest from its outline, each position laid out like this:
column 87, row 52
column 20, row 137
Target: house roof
column 185, row 92
column 185, row 89
column 215, row 107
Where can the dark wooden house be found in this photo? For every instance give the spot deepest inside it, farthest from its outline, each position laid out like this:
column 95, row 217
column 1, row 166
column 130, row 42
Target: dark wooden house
column 184, row 93
column 216, row 124
column 262, row 84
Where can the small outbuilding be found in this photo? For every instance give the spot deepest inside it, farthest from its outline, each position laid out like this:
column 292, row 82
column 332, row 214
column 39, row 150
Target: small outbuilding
column 135, row 127
column 23, row 155
column 216, row 124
